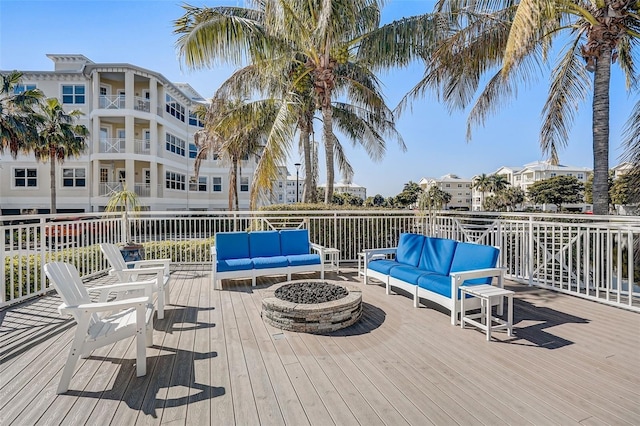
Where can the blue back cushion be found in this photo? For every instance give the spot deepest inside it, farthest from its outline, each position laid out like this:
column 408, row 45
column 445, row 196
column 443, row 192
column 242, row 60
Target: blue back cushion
column 294, row 241
column 409, row 249
column 264, row 243
column 232, row 245
column 474, row 256
column 437, row 255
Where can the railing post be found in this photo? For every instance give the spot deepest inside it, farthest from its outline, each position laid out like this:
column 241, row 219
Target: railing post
column 3, row 280
column 42, row 250
column 335, row 230
column 530, row 248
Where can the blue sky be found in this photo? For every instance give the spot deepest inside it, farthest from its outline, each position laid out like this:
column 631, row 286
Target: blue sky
column 140, row 33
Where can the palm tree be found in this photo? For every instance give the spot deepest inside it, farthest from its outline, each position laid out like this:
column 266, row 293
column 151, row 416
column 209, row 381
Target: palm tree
column 502, row 45
column 482, row 183
column 59, row 138
column 18, row 120
column 498, row 183
column 313, row 40
column 232, row 132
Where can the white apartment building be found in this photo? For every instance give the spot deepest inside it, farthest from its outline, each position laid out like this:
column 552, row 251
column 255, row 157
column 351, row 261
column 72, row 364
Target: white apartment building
column 344, row 187
column 141, row 135
column 459, row 189
column 523, row 177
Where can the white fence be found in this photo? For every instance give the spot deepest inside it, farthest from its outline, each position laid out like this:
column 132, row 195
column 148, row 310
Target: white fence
column 587, row 256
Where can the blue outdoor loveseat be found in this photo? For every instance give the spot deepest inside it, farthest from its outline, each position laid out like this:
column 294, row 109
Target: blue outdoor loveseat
column 262, row 253
column 434, row 269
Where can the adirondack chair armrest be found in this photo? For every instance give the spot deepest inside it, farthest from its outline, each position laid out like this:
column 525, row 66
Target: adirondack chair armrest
column 105, row 306
column 140, row 271
column 151, row 263
column 146, row 285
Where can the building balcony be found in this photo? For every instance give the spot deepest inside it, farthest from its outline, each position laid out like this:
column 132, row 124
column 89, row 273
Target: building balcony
column 118, row 102
column 118, row 146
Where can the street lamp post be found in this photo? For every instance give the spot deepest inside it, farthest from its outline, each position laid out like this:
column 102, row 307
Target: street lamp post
column 297, row 180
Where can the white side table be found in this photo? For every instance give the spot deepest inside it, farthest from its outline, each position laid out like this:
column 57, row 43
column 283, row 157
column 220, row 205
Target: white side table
column 332, row 259
column 487, row 295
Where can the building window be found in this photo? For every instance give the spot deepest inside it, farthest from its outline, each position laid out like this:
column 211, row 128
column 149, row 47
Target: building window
column 553, row 175
column 21, row 88
column 174, row 180
column 73, row 94
column 175, row 108
column 199, row 186
column 194, row 120
column 25, row 178
column 459, row 185
column 193, row 150
column 244, row 184
column 580, row 176
column 216, row 184
column 175, row 144
column 74, row 178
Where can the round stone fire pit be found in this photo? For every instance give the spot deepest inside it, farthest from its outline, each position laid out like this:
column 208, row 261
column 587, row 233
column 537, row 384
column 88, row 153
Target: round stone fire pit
column 313, row 306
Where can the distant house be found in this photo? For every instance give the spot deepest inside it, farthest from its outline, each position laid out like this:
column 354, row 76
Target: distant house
column 459, row 189
column 348, row 188
column 523, row 177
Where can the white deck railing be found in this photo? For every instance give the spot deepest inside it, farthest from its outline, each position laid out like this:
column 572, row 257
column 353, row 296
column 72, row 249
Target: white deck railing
column 587, row 256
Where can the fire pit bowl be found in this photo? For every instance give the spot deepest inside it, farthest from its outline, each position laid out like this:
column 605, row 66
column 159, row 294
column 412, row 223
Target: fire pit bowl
column 309, row 317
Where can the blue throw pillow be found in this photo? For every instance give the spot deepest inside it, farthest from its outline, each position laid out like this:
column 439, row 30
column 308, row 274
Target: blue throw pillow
column 409, row 249
column 232, row 245
column 294, row 241
column 264, row 243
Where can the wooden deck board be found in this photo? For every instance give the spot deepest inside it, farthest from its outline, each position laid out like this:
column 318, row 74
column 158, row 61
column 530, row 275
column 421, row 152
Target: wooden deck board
column 215, row 361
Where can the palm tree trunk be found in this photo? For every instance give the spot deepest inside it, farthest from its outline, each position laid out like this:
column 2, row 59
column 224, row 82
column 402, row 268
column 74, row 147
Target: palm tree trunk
column 52, row 175
column 327, row 135
column 306, row 150
column 233, row 179
column 601, row 105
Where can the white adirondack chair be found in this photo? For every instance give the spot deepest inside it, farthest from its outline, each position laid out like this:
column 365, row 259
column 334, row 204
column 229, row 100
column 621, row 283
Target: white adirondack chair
column 102, row 323
column 122, row 270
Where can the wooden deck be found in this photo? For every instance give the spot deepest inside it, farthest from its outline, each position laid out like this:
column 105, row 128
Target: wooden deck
column 214, row 361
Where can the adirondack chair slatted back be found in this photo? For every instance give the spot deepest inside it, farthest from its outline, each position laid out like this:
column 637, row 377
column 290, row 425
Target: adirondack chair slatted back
column 68, row 284
column 113, row 255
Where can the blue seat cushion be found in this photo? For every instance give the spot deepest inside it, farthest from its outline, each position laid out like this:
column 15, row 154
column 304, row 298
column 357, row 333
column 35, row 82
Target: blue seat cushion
column 438, row 284
column 303, row 259
column 406, row 273
column 264, row 244
column 474, row 256
column 437, row 255
column 382, row 265
column 409, row 249
column 270, row 262
column 232, row 245
column 294, row 241
column 234, row 265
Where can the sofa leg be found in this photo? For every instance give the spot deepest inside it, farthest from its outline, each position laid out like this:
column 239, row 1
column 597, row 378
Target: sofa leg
column 416, row 300
column 388, row 288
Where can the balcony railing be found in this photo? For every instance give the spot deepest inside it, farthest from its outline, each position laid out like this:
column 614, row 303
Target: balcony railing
column 118, row 146
column 587, row 256
column 112, row 145
column 105, row 189
column 118, row 102
column 111, row 101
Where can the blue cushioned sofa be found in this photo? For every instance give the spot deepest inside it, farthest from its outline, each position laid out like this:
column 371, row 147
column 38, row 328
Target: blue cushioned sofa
column 260, row 253
column 434, row 269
